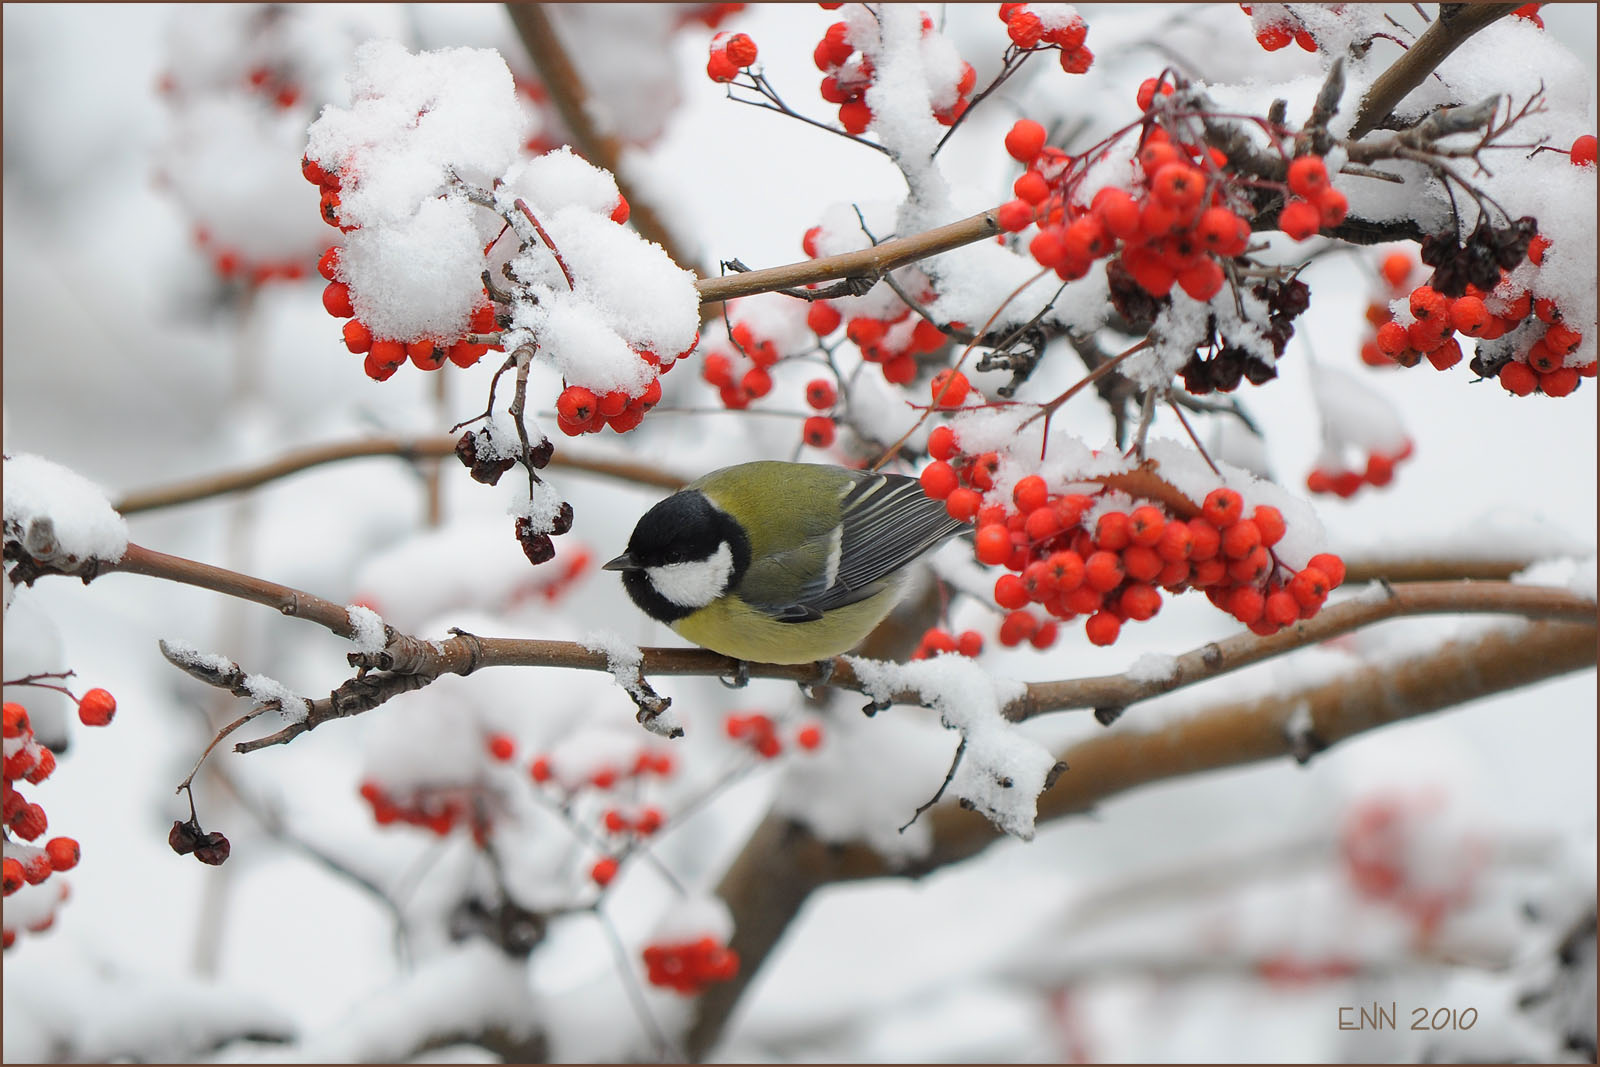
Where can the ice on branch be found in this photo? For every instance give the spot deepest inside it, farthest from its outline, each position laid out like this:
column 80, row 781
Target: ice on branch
column 1001, row 771
column 58, row 516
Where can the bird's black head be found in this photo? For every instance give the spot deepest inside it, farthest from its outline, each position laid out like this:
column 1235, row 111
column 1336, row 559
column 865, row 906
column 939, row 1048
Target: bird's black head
column 683, row 554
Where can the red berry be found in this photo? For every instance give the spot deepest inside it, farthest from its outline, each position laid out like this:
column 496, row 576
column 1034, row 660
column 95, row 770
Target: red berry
column 1017, row 628
column 818, row 431
column 1014, row 215
column 1222, row 507
column 45, row 764
column 1246, row 604
column 820, row 394
column 336, row 300
column 16, row 719
column 1031, row 187
column 1518, row 378
column 719, row 68
column 97, row 708
column 1179, row 185
column 357, row 337
column 500, row 747
column 1332, row 207
column 1102, row 628
column 63, row 853
column 1445, row 355
column 1308, row 176
column 30, row 822
column 1140, row 602
column 1300, row 219
column 539, row 770
column 741, row 49
column 1103, row 571
column 823, row 318
column 992, row 544
column 1558, row 382
column 11, row 879
column 855, row 116
column 1009, row 590
column 328, row 264
column 939, row 480
column 1269, row 522
column 942, row 442
column 622, row 211
column 1114, row 531
column 1027, row 137
column 1583, row 151
column 970, row 642
column 809, row 737
column 577, row 404
column 950, row 388
column 1223, row 232
column 1030, row 493
column 603, row 871
column 649, row 821
column 962, row 504
column 1310, row 587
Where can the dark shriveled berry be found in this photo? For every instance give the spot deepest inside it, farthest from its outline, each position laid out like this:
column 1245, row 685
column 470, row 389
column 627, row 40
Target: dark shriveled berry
column 183, row 837
column 212, row 849
column 536, row 546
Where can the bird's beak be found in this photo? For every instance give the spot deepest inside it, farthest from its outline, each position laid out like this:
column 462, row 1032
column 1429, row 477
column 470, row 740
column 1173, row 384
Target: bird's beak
column 623, row 562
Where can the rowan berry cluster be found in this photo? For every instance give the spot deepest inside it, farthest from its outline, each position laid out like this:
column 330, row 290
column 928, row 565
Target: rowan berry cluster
column 1390, row 846
column 935, row 641
column 730, row 53
column 893, row 340
column 28, row 760
column 844, row 55
column 688, row 967
column 744, row 373
column 1482, row 289
column 1105, row 556
column 1042, row 26
column 760, row 734
column 384, row 355
column 231, row 264
column 437, row 809
column 1276, row 26
column 1377, row 472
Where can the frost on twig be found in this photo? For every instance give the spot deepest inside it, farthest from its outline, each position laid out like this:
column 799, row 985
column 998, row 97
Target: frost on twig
column 623, row 660
column 998, row 771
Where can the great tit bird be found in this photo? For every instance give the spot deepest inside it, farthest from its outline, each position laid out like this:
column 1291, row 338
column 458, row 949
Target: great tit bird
column 775, row 562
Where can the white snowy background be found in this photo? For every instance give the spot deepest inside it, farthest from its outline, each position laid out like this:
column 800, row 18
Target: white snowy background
column 1133, row 933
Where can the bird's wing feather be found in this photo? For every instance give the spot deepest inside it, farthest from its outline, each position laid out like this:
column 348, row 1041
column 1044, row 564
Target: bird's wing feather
column 888, row 521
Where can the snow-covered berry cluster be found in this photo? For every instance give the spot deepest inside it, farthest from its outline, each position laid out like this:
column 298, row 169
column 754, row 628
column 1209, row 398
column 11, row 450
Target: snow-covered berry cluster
column 1488, row 288
column 1109, row 551
column 27, row 760
column 425, row 174
column 849, row 54
column 1277, row 26
column 1044, row 26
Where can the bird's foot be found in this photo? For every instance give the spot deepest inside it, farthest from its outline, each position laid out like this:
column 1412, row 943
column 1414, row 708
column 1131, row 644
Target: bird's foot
column 741, row 675
column 824, row 674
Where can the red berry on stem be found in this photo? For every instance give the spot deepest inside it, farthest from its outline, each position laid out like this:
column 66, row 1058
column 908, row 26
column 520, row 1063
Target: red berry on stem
column 818, row 431
column 97, row 707
column 603, row 871
column 1026, row 137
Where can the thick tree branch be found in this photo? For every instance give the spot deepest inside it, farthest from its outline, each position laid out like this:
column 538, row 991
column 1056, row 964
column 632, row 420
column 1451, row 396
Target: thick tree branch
column 783, row 863
column 1456, row 23
column 567, row 93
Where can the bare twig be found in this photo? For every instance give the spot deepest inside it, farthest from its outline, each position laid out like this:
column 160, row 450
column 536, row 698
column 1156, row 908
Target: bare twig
column 406, row 448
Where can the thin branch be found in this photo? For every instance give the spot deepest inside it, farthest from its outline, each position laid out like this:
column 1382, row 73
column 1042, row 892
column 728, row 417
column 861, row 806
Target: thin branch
column 406, row 448
column 877, row 260
column 1456, row 23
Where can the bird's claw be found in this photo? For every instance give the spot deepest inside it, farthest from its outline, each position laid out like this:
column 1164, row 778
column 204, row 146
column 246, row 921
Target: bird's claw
column 741, row 675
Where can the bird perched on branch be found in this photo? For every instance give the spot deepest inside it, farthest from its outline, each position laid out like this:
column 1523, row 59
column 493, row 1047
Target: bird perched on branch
column 773, row 562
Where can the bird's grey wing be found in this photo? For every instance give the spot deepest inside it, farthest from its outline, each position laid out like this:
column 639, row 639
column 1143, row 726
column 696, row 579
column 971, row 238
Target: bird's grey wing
column 888, row 521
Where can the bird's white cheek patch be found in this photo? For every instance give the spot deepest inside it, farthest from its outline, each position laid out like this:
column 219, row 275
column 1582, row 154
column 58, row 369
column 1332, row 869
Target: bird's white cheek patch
column 696, row 583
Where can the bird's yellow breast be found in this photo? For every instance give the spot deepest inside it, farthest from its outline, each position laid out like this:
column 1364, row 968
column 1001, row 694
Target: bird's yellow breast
column 732, row 627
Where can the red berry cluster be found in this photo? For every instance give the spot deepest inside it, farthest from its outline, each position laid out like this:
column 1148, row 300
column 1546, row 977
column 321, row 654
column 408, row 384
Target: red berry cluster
column 818, row 430
column 760, row 733
column 894, row 343
column 742, row 374
column 1047, row 26
column 1282, row 28
column 1535, row 342
column 1115, row 568
column 688, row 967
column 1378, row 472
column 848, row 72
column 230, row 263
column 968, row 643
column 708, row 15
column 25, row 759
column 440, row 810
column 648, row 761
column 642, row 822
column 730, row 53
column 1315, row 204
column 1380, row 844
